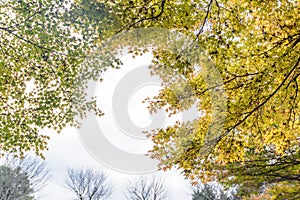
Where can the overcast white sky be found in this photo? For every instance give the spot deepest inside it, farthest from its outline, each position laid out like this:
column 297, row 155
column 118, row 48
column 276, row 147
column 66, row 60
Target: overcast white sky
column 66, row 150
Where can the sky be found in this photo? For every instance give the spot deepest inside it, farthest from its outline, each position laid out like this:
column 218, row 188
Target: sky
column 120, row 98
column 66, row 150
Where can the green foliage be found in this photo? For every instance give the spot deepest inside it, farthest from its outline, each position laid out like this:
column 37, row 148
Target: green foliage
column 22, row 179
column 255, row 48
column 14, row 184
column 266, row 172
column 211, row 191
column 43, row 43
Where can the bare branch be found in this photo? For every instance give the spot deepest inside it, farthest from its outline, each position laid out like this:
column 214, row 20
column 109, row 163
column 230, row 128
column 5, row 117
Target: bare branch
column 147, row 189
column 88, row 184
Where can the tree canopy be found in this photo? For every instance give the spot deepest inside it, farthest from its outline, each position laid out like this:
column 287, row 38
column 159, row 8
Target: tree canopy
column 255, row 47
column 30, row 168
column 253, row 44
column 14, row 184
column 42, row 44
column 211, row 191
